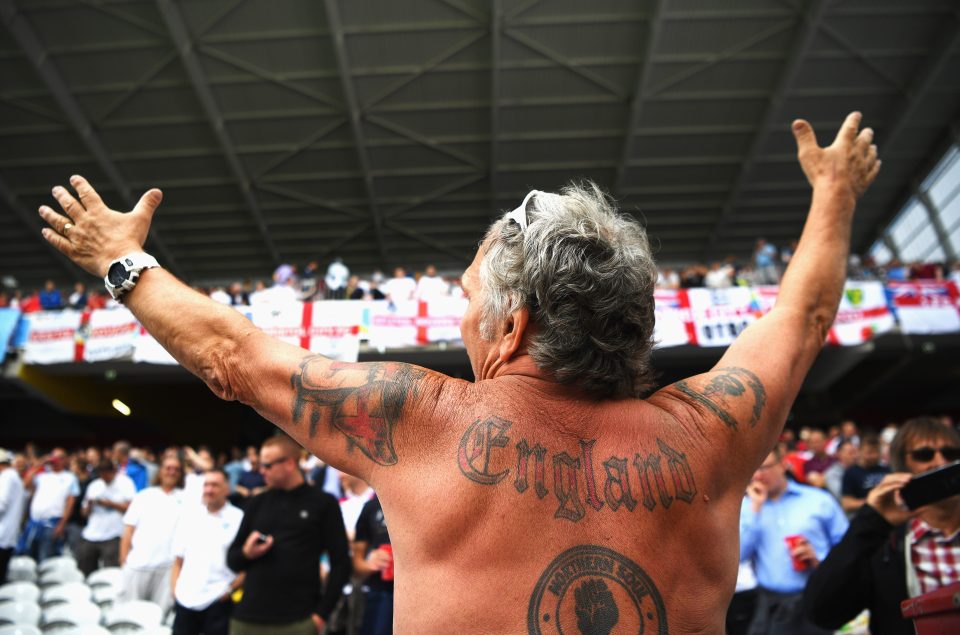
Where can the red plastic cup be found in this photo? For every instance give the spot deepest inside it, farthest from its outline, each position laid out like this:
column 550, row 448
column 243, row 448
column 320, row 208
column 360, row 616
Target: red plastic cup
column 387, row 574
column 792, row 542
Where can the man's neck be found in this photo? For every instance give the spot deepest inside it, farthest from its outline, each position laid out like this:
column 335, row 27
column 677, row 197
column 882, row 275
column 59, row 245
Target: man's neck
column 214, row 507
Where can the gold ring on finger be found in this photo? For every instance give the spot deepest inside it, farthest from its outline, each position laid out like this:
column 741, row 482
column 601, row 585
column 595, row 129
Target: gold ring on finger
column 67, row 228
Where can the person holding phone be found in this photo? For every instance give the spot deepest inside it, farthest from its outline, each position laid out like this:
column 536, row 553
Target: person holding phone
column 868, row 569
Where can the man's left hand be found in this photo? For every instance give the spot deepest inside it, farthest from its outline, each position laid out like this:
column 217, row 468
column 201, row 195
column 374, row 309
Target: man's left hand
column 319, row 623
column 90, row 233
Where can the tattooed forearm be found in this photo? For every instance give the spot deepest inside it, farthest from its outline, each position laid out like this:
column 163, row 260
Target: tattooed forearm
column 365, row 414
column 726, row 385
column 580, row 483
column 591, row 589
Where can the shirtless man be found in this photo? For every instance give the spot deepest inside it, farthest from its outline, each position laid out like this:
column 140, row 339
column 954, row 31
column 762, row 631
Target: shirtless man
column 569, row 503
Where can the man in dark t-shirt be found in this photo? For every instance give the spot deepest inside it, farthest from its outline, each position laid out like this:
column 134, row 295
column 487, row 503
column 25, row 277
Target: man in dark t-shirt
column 373, row 561
column 862, row 477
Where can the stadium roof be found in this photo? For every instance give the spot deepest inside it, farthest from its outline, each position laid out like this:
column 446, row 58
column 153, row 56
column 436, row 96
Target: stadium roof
column 391, row 132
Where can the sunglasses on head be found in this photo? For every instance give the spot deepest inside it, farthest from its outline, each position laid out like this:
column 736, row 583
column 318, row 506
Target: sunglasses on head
column 926, row 453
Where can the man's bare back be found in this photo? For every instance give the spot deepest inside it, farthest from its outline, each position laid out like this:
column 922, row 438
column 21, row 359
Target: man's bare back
column 536, row 499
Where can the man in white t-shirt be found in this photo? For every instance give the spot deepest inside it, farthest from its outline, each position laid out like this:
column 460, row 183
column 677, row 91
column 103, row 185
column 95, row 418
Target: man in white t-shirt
column 104, row 504
column 430, row 285
column 11, row 510
column 400, row 287
column 200, row 579
column 146, row 547
column 55, row 491
column 356, row 493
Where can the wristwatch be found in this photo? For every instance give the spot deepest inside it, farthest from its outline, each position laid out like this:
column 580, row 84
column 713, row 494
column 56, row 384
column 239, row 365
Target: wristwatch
column 123, row 273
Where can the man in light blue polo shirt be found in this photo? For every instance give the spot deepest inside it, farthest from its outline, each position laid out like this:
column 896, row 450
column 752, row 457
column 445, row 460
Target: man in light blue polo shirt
column 786, row 529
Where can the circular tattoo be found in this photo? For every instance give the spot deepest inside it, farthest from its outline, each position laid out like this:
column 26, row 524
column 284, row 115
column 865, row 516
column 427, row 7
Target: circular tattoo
column 591, row 590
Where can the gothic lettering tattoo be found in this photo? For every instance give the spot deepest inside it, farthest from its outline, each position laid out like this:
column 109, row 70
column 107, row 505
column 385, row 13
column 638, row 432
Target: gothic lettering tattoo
column 727, row 384
column 590, row 590
column 660, row 475
column 365, row 414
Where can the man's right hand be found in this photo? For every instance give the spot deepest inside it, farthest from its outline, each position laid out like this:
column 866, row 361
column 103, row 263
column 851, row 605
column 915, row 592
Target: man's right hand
column 885, row 498
column 253, row 548
column 379, row 560
column 849, row 162
column 97, row 234
column 758, row 495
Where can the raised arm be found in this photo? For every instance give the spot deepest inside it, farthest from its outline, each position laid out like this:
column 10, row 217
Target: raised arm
column 750, row 391
column 346, row 414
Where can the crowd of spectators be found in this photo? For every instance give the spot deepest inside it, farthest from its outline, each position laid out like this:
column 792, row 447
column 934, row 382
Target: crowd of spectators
column 189, row 527
column 767, row 264
column 290, row 282
column 815, row 492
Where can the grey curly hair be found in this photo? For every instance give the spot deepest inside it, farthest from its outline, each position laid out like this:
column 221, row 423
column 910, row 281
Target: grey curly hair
column 587, row 276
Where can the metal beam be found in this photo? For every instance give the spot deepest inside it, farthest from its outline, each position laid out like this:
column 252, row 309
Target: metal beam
column 639, row 92
column 496, row 23
column 923, row 81
column 459, row 254
column 356, row 124
column 185, row 49
column 933, row 213
column 802, row 42
column 561, row 60
column 34, row 224
column 18, row 26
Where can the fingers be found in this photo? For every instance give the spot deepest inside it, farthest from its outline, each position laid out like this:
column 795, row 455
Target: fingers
column 148, row 203
column 57, row 221
column 69, row 204
column 803, row 133
column 88, row 196
column 848, row 131
column 62, row 244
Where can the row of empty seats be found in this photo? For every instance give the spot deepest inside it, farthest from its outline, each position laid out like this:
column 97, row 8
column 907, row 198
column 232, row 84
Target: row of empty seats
column 54, row 597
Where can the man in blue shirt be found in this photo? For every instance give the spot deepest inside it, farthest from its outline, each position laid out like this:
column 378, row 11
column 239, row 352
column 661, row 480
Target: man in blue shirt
column 786, row 529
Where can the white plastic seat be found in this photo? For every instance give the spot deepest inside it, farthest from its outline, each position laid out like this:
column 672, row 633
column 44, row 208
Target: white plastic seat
column 86, row 629
column 133, row 615
column 20, row 591
column 57, row 562
column 59, row 576
column 21, row 575
column 107, row 576
column 70, row 614
column 20, row 629
column 67, row 592
column 22, row 563
column 20, row 612
column 104, row 594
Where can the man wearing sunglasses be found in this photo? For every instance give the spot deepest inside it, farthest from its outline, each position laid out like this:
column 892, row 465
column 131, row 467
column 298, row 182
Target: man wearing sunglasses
column 889, row 553
column 557, row 492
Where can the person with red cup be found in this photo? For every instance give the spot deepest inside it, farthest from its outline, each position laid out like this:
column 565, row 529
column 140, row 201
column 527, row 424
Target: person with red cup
column 373, row 563
column 786, row 529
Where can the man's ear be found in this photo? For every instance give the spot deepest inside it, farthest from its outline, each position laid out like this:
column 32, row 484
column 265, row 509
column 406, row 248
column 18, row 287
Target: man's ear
column 516, row 327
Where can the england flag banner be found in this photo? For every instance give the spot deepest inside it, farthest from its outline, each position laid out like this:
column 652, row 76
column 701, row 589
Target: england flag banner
column 52, row 337
column 673, row 325
column 720, row 315
column 330, row 328
column 863, row 314
column 926, row 307
column 110, row 334
column 415, row 322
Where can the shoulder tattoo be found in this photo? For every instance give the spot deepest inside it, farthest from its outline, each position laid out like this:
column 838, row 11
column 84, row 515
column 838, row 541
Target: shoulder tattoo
column 725, row 386
column 327, row 392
